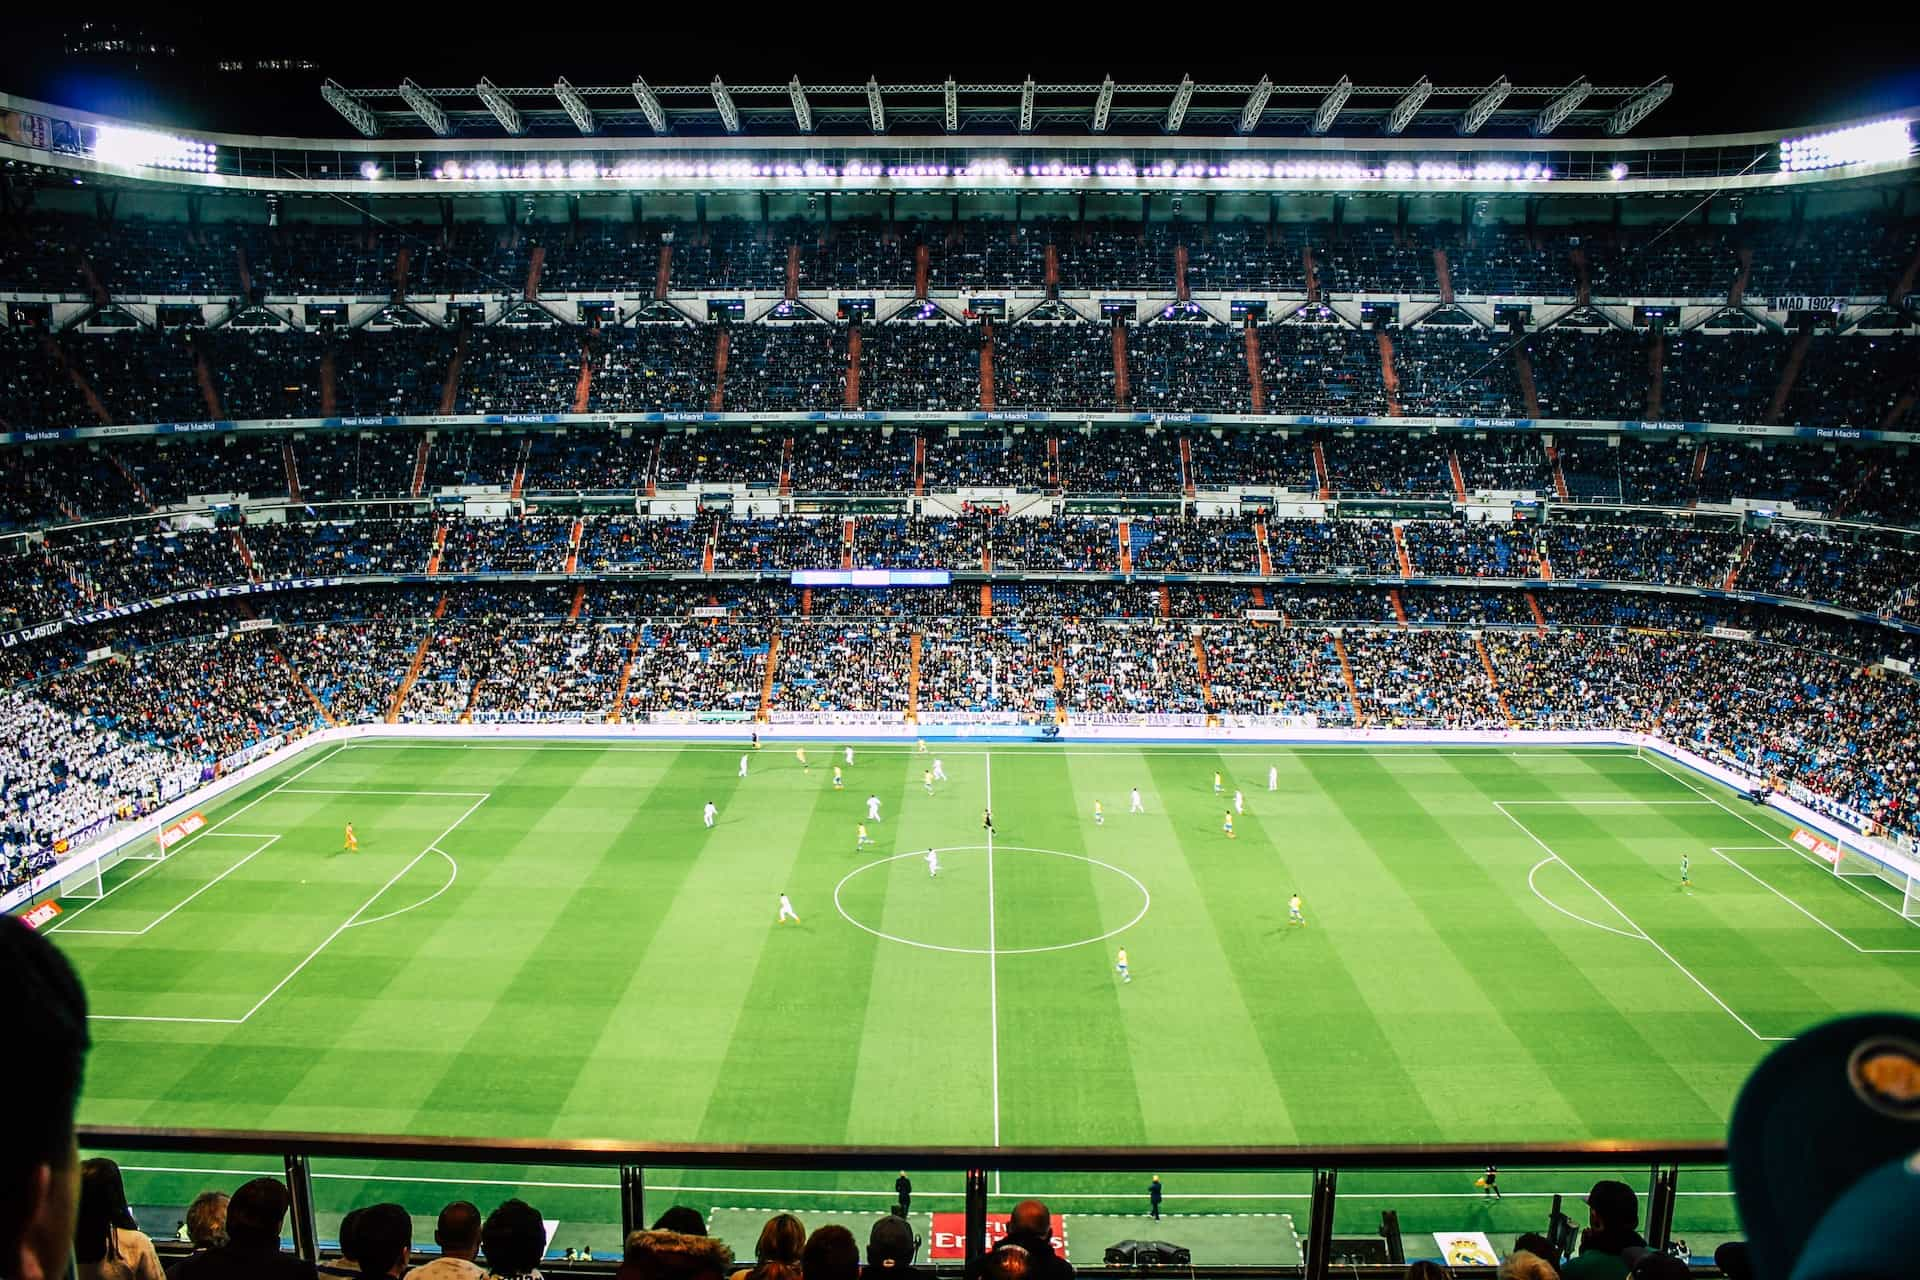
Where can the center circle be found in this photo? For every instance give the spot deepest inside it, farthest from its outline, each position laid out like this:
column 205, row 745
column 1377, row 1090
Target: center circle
column 946, row 907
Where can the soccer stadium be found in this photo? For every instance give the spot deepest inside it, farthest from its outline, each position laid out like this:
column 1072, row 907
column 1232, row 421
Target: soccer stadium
column 704, row 671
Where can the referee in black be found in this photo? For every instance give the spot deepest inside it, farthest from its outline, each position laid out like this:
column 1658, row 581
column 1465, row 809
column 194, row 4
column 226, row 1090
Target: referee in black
column 903, row 1187
column 1153, row 1196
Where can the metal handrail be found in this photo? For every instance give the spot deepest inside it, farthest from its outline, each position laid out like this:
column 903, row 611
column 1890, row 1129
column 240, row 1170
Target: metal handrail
column 608, row 1151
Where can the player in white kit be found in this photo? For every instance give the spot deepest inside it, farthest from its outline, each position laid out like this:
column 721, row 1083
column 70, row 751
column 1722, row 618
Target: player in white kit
column 711, row 812
column 1273, row 778
column 873, row 808
column 743, row 766
column 939, row 774
column 933, row 862
column 787, row 912
column 1136, row 806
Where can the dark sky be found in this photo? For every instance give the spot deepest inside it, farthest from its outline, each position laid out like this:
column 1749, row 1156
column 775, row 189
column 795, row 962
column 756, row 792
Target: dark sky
column 1772, row 75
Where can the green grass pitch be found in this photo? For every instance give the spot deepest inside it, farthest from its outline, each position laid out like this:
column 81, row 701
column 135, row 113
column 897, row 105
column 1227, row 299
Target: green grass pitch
column 545, row 940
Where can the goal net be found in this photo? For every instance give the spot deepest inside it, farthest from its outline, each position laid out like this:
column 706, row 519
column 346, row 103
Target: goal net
column 87, row 882
column 1873, row 867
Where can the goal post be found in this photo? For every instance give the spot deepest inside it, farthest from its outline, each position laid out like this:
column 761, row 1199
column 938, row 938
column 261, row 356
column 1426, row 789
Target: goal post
column 1871, row 865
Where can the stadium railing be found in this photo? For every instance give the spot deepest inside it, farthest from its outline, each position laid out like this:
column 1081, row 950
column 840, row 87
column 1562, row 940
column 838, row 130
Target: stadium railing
column 1348, row 1237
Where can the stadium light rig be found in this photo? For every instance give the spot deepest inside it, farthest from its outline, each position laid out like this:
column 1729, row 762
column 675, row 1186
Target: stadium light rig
column 575, row 105
column 1409, row 106
column 146, row 149
column 649, row 105
column 1256, row 105
column 496, row 102
column 1330, row 105
column 1557, row 112
column 1000, row 168
column 729, row 115
column 1177, row 109
column 1477, row 115
column 802, row 113
column 1103, row 106
column 425, row 107
column 363, row 120
column 1874, row 143
column 1638, row 108
column 876, row 107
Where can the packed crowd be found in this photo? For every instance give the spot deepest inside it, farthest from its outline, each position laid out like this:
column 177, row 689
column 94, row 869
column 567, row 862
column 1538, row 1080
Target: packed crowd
column 1839, row 256
column 1779, row 691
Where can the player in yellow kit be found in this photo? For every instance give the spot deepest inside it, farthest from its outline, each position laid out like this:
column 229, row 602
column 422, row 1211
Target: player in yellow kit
column 800, row 754
column 838, row 783
column 1227, row 825
column 353, row 842
column 1293, row 912
column 863, row 839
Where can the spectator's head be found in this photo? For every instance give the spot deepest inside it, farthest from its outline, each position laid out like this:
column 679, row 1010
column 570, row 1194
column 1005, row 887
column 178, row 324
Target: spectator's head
column 687, row 1222
column 1538, row 1245
column 103, row 1207
column 1525, row 1264
column 207, row 1220
column 1734, row 1260
column 255, row 1213
column 350, row 1237
column 457, row 1230
column 781, row 1240
column 1612, row 1206
column 890, row 1245
column 45, row 1013
column 383, row 1237
column 1660, row 1266
column 674, row 1255
column 775, row 1271
column 514, row 1239
column 1428, row 1270
column 831, row 1254
column 1008, row 1262
column 1030, row 1218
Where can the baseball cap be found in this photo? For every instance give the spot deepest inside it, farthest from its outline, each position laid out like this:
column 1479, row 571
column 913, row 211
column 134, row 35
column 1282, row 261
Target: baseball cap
column 1616, row 1203
column 1815, row 1118
column 890, row 1240
column 1872, row 1231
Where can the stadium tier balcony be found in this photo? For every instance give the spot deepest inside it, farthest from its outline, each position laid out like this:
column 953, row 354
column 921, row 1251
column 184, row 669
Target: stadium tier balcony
column 798, row 366
column 1116, row 460
column 1375, row 258
column 855, row 462
column 1386, row 463
column 1321, row 368
column 1256, row 458
column 398, row 371
column 786, row 542
column 1515, row 463
column 1053, row 366
column 338, row 466
column 531, row 370
column 919, row 366
column 722, row 456
column 651, row 367
column 1456, row 372
column 1188, row 367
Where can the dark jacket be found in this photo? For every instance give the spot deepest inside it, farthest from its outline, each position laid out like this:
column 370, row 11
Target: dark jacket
column 237, row 1263
column 1043, row 1262
column 1605, row 1255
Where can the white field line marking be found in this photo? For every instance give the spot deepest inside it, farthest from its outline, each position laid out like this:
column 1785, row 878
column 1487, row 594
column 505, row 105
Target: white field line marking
column 1384, row 748
column 1563, row 911
column 1698, row 804
column 168, row 913
column 1775, row 837
column 342, row 928
column 202, row 834
column 373, row 791
column 453, row 873
column 918, row 1194
column 993, row 971
column 1643, row 935
column 349, row 921
column 1865, row 951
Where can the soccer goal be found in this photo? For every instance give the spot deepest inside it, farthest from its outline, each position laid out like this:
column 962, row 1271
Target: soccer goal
column 1878, row 869
column 88, row 882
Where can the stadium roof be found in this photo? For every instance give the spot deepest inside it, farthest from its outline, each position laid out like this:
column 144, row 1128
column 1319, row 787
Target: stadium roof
column 1162, row 74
